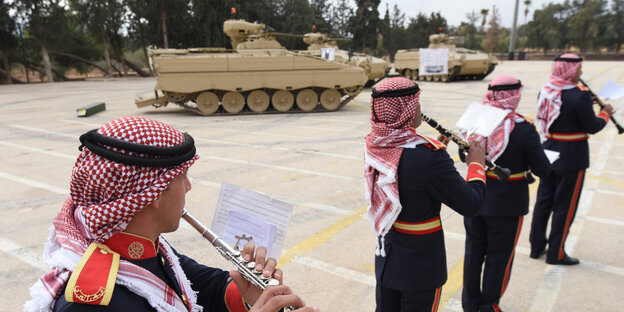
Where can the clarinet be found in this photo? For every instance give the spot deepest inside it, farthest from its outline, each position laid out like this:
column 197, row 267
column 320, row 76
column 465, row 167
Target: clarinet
column 246, row 269
column 501, row 173
column 597, row 100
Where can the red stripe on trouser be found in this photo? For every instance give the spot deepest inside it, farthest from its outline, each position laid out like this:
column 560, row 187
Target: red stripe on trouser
column 513, row 251
column 436, row 302
column 571, row 210
column 496, row 307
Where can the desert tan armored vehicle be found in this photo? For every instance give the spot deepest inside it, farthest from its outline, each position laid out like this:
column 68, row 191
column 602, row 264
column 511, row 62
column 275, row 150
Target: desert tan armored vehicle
column 462, row 63
column 257, row 76
column 374, row 67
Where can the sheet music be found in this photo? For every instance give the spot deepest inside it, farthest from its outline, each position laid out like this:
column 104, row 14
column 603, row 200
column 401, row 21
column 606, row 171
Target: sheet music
column 273, row 211
column 481, row 119
column 611, row 91
column 242, row 228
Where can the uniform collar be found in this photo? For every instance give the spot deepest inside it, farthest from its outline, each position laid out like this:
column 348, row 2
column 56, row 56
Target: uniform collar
column 131, row 246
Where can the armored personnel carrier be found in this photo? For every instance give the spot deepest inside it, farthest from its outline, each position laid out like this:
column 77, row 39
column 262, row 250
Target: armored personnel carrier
column 374, row 67
column 257, row 76
column 463, row 64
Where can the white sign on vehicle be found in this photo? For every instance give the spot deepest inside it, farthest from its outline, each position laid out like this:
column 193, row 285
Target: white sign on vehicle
column 433, row 62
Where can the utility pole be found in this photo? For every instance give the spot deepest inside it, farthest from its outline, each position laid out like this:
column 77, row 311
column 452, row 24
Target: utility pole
column 512, row 42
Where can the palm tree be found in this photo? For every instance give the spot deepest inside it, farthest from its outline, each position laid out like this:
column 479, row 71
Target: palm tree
column 484, row 13
column 527, row 3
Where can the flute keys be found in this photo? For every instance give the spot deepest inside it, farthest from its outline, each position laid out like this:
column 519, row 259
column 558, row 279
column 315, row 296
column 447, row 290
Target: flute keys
column 271, row 282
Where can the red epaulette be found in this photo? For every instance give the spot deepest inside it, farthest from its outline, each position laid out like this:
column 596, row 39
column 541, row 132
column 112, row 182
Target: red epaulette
column 582, row 87
column 93, row 279
column 433, row 143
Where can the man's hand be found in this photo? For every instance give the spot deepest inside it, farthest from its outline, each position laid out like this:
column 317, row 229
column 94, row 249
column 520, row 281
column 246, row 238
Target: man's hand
column 476, row 153
column 274, row 298
column 608, row 109
column 444, row 139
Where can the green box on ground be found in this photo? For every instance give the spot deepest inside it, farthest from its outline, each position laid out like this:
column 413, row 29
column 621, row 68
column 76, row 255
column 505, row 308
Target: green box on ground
column 91, row 109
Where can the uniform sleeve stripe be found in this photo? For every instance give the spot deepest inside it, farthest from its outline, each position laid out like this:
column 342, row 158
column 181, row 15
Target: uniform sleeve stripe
column 476, row 171
column 234, row 300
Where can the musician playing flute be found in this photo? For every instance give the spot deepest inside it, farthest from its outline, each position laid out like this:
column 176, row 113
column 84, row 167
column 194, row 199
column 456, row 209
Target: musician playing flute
column 408, row 177
column 105, row 248
column 566, row 118
column 492, row 235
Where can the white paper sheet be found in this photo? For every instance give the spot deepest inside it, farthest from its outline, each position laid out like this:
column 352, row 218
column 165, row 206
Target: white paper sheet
column 481, row 119
column 273, row 211
column 552, row 155
column 433, row 61
column 611, row 91
column 242, row 228
column 328, row 54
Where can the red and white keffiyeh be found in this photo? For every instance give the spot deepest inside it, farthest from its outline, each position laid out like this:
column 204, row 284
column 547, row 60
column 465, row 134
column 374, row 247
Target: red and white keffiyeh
column 549, row 101
column 104, row 196
column 497, row 141
column 391, row 118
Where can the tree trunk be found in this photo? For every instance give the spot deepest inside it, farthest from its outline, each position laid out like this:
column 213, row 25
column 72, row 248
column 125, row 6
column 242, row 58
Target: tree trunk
column 6, row 67
column 82, row 60
column 149, row 66
column 109, row 67
column 163, row 17
column 136, row 68
column 46, row 63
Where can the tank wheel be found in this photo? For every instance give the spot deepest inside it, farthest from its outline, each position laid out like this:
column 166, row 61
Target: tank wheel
column 207, row 103
column 446, row 78
column 353, row 91
column 422, row 78
column 177, row 97
column 407, row 73
column 282, row 100
column 307, row 100
column 429, row 77
column 258, row 101
column 415, row 74
column 330, row 99
column 437, row 78
column 233, row 102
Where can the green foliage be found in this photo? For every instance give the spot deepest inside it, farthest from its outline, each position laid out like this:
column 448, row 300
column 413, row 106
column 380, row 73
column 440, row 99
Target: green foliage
column 364, row 25
column 421, row 27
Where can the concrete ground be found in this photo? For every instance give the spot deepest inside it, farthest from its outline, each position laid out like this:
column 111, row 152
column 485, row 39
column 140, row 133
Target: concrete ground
column 313, row 161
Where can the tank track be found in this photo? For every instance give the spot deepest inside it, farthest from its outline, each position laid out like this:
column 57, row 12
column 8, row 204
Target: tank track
column 454, row 76
column 246, row 111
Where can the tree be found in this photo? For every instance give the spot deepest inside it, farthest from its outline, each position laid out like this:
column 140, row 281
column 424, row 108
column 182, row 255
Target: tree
column 484, row 14
column 8, row 41
column 617, row 7
column 321, row 16
column 46, row 23
column 547, row 26
column 587, row 25
column 490, row 42
column 341, row 14
column 364, row 25
column 472, row 38
column 103, row 19
column 527, row 3
column 421, row 27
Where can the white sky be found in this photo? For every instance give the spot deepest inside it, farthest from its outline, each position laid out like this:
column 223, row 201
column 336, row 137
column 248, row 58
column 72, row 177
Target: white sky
column 455, row 10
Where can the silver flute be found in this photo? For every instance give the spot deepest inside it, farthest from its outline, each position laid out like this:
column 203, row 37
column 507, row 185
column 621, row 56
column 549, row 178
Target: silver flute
column 246, row 268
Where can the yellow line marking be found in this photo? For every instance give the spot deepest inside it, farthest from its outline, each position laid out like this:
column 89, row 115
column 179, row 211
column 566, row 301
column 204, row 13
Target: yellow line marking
column 607, row 180
column 320, row 237
column 454, row 282
column 601, row 73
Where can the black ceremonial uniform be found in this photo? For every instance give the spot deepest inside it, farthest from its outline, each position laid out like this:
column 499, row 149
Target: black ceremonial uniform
column 210, row 283
column 560, row 190
column 492, row 235
column 415, row 261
